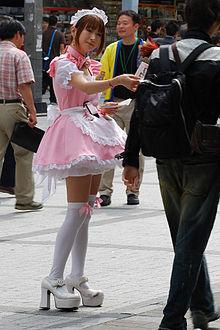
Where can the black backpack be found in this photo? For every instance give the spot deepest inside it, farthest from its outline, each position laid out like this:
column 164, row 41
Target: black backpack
column 164, row 107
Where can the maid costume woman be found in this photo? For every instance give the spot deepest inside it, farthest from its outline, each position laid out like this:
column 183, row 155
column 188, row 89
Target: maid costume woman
column 77, row 143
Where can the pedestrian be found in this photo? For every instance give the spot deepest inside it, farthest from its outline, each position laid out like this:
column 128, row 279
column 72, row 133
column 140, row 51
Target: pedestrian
column 7, row 181
column 16, row 76
column 171, row 34
column 189, row 185
column 53, row 44
column 156, row 29
column 216, row 40
column 120, row 57
column 78, row 147
column 45, row 23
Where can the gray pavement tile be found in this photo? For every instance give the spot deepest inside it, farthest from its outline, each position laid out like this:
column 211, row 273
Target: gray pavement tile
column 129, row 258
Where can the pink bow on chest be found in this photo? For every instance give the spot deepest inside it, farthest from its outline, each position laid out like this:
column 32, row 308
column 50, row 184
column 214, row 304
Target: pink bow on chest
column 80, row 61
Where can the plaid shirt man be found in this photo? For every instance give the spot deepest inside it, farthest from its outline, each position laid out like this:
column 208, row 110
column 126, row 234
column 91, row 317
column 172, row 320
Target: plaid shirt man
column 15, row 69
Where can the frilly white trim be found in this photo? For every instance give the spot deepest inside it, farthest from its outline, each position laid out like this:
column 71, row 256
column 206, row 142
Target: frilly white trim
column 99, row 139
column 94, row 11
column 85, row 165
column 87, row 130
column 68, row 78
column 64, row 69
column 86, row 123
column 91, row 163
column 53, row 112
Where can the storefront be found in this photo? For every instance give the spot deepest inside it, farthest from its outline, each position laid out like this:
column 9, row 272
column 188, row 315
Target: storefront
column 12, row 8
column 65, row 9
column 148, row 9
column 31, row 13
column 163, row 10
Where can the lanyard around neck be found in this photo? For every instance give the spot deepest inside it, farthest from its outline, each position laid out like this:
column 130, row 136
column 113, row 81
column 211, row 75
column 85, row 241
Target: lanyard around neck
column 124, row 62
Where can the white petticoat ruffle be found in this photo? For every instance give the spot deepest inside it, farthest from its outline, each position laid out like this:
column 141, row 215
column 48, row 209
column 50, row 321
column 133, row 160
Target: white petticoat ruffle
column 50, row 174
column 84, row 165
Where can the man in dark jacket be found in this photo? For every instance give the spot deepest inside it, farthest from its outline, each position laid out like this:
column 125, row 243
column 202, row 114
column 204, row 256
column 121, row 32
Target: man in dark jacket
column 57, row 48
column 156, row 27
column 172, row 29
column 189, row 185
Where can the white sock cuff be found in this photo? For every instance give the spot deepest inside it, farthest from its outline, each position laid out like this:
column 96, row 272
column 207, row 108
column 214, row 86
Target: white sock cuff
column 92, row 199
column 75, row 205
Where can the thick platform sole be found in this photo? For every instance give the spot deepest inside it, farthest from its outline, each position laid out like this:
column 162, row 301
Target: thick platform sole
column 70, row 303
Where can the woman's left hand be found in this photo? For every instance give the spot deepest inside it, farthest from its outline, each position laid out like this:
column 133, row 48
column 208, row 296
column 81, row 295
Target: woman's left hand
column 108, row 108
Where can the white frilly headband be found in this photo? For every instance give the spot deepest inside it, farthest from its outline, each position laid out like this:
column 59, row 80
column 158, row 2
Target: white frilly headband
column 83, row 12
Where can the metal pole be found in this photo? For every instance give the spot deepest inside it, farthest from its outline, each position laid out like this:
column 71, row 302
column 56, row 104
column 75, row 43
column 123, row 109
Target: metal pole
column 33, row 12
column 130, row 4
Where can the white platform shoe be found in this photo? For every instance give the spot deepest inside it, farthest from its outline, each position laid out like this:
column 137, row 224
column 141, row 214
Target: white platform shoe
column 62, row 298
column 91, row 298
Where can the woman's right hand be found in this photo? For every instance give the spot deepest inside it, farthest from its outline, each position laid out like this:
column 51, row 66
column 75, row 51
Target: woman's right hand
column 129, row 81
column 130, row 177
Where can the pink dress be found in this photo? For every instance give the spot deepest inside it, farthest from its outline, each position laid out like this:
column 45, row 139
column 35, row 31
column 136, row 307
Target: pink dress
column 76, row 143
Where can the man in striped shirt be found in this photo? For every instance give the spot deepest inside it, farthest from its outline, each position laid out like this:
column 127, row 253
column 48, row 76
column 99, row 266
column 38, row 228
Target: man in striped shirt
column 16, row 76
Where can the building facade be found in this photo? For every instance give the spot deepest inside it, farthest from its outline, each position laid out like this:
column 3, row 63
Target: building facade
column 31, row 12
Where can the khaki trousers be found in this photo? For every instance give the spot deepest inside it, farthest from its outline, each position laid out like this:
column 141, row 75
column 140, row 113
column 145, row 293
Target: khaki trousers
column 122, row 118
column 11, row 113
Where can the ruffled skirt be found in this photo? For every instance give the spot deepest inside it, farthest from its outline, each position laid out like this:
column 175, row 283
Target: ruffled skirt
column 78, row 144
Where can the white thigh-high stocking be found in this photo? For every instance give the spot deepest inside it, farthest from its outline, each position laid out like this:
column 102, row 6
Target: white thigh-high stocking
column 76, row 280
column 80, row 245
column 65, row 238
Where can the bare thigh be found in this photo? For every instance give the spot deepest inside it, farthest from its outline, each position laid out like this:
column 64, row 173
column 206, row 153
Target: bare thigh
column 95, row 184
column 78, row 188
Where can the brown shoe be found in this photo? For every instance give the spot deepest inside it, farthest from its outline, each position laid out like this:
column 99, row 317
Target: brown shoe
column 7, row 190
column 33, row 206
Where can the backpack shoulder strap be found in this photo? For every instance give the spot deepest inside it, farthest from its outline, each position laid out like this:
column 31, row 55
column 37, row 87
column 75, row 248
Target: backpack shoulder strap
column 176, row 55
column 164, row 58
column 51, row 43
column 194, row 54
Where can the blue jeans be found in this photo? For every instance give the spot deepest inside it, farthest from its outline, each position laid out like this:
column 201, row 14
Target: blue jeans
column 190, row 192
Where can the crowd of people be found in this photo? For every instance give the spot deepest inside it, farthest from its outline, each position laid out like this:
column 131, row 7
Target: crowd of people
column 189, row 185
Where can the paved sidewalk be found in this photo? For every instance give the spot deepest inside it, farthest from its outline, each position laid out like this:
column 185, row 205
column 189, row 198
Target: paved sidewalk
column 129, row 258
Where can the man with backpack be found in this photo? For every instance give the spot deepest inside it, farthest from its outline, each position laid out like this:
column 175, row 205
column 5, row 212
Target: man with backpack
column 188, row 172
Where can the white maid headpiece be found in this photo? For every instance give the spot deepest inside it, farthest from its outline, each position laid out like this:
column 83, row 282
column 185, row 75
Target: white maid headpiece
column 83, row 12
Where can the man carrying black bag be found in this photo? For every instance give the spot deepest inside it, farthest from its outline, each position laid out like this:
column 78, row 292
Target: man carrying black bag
column 16, row 76
column 189, row 183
